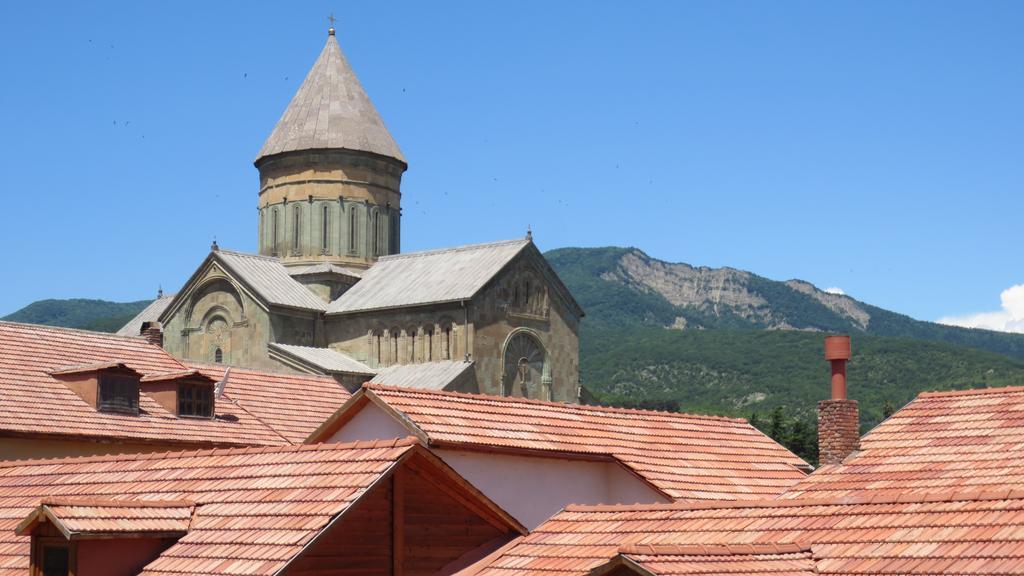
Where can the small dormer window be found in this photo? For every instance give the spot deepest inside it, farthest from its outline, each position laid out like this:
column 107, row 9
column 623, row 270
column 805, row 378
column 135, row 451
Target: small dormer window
column 195, row 400
column 118, row 393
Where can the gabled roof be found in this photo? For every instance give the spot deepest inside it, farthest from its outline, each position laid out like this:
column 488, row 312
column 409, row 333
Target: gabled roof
column 322, row 360
column 255, row 508
column 746, row 559
column 894, row 533
column 428, row 375
column 331, row 110
column 269, row 279
column 106, row 518
column 971, row 439
column 150, row 313
column 435, row 277
column 293, row 405
column 36, row 404
column 683, row 455
column 264, row 278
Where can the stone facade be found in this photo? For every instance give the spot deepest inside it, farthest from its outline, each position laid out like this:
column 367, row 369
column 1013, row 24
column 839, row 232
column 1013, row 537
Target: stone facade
column 329, row 206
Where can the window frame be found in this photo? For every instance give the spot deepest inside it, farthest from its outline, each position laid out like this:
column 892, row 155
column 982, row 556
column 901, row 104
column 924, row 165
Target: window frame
column 194, row 400
column 107, row 380
column 40, row 543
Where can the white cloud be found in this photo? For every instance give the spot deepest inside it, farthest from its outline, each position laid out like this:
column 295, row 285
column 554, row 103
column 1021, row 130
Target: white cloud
column 835, row 290
column 1009, row 319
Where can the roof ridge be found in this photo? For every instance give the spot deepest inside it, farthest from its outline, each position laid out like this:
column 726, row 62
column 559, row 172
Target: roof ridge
column 112, row 503
column 714, row 549
column 460, row 248
column 250, row 370
column 879, row 497
column 248, row 255
column 175, row 454
column 552, row 403
column 971, row 392
column 48, row 327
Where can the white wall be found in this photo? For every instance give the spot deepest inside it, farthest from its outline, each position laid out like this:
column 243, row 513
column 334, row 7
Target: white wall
column 531, row 488
column 370, row 423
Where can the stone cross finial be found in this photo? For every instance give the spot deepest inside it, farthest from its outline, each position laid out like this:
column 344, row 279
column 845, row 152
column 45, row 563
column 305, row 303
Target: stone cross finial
column 529, row 232
column 214, row 247
column 330, row 31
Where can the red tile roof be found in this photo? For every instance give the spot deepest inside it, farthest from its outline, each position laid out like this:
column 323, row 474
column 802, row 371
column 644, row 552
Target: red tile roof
column 255, row 508
column 685, row 456
column 745, row 559
column 292, row 404
column 35, row 404
column 966, row 440
column 965, row 533
column 90, row 517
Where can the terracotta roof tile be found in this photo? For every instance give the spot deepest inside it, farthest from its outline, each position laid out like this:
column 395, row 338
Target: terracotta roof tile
column 36, row 404
column 972, row 439
column 686, row 456
column 746, row 559
column 948, row 533
column 254, row 507
column 292, row 404
column 92, row 517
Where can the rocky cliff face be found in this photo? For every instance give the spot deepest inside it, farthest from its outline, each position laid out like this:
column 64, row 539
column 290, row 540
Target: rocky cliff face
column 720, row 292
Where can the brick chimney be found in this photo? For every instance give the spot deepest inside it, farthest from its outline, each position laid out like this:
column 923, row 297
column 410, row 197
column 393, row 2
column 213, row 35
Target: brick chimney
column 838, row 418
column 153, row 333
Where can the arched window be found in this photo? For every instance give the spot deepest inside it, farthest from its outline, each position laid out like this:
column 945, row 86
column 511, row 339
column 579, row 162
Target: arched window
column 393, row 244
column 325, row 228
column 524, row 367
column 446, row 342
column 273, row 240
column 526, row 293
column 263, row 230
column 297, row 211
column 352, row 232
column 218, row 356
column 411, row 334
column 376, row 233
column 429, row 344
column 378, row 347
column 394, row 346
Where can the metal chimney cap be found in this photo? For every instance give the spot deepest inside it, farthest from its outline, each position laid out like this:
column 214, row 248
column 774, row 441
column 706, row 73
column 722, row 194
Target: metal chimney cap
column 837, row 348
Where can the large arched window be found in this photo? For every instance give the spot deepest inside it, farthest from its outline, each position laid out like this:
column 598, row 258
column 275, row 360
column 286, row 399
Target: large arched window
column 524, row 366
column 296, row 225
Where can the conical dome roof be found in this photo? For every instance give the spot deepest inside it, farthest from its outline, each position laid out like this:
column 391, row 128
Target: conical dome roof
column 331, row 110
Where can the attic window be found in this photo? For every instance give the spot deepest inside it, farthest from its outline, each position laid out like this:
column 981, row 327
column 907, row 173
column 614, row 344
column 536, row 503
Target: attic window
column 195, row 400
column 118, row 393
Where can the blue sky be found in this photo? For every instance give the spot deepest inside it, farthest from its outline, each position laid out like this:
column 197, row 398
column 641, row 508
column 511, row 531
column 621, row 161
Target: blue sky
column 872, row 146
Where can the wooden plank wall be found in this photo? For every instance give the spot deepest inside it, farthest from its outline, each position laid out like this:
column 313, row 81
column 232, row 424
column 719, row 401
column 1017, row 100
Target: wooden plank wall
column 435, row 526
column 359, row 544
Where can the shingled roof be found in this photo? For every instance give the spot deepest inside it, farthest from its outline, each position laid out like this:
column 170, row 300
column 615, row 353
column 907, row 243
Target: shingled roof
column 255, row 508
column 35, row 404
column 971, row 439
column 331, row 110
column 293, row 405
column 683, row 455
column 950, row 533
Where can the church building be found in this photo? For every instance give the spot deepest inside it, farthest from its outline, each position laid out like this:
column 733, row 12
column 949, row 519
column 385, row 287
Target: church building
column 329, row 291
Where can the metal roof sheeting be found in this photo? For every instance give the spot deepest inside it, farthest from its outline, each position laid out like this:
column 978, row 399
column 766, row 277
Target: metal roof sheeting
column 421, row 278
column 427, row 376
column 270, row 280
column 324, row 358
column 150, row 313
